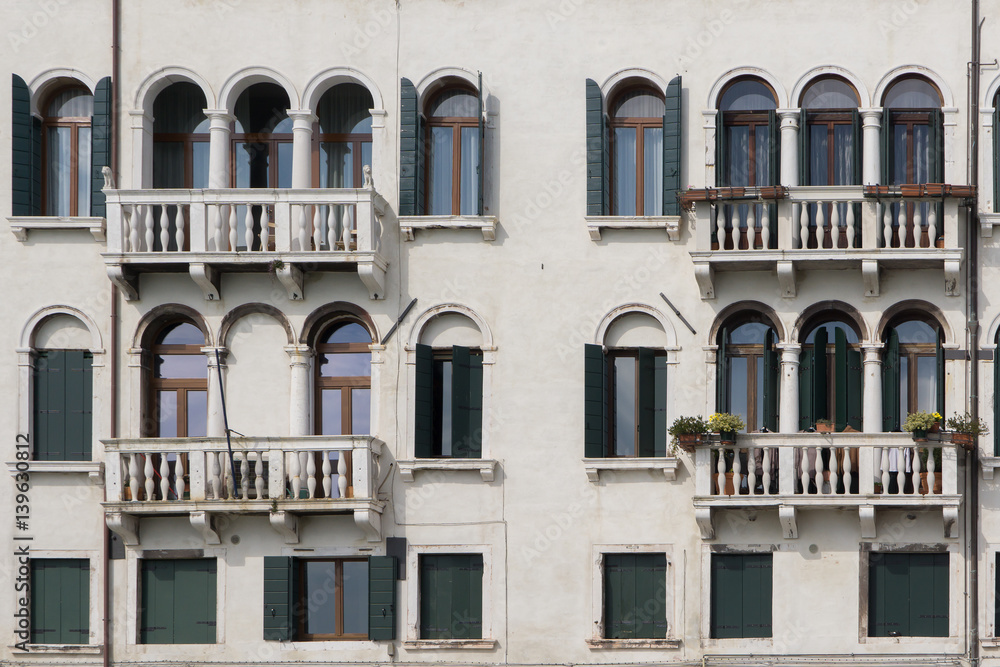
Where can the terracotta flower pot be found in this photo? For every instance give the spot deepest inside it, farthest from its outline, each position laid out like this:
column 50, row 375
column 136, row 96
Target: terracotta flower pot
column 824, row 428
column 966, row 440
column 689, row 441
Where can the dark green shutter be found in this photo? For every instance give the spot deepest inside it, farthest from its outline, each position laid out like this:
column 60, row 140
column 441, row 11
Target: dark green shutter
column 804, row 147
column 178, row 601
column 855, row 389
column 996, row 176
column 63, row 404
column 60, row 601
column 595, row 406
column 635, row 596
column 722, row 373
column 741, row 596
column 772, row 370
column 939, row 365
column 278, row 598
column 807, row 362
column 890, row 383
column 885, row 164
column 382, row 597
column 721, row 156
column 672, row 147
column 908, row 595
column 840, row 379
column 774, row 172
column 996, row 412
column 25, row 168
column 857, row 139
column 660, row 401
column 821, row 381
column 466, row 403
column 423, row 402
column 481, row 167
column 596, row 188
column 409, row 138
column 646, row 441
column 451, row 596
column 100, row 138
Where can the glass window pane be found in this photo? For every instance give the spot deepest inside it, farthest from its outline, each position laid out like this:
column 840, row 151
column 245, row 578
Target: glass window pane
column 241, row 157
column 361, row 408
column 904, row 387
column 345, row 364
column 355, row 597
column 652, row 171
column 831, row 333
column 843, row 157
column 916, row 332
column 261, row 109
column 171, row 366
column 750, row 95
column 454, row 103
column 899, row 144
column 921, row 153
column 638, row 103
column 197, row 414
column 751, row 333
column 331, row 410
column 321, row 601
column 59, row 158
column 759, row 421
column 625, row 171
column 166, row 410
column 349, row 333
column 625, row 406
column 183, row 333
column 284, row 164
column 762, row 154
column 912, row 93
column 819, row 172
column 470, row 171
column 180, row 108
column 344, row 109
column 830, row 94
column 926, row 384
column 366, row 157
column 168, row 164
column 335, row 162
column 199, row 179
column 83, row 171
column 71, row 103
column 738, row 387
column 439, row 175
column 739, row 155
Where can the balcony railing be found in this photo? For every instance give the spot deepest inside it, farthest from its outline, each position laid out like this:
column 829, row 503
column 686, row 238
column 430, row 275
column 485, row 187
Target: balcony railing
column 813, row 471
column 314, row 474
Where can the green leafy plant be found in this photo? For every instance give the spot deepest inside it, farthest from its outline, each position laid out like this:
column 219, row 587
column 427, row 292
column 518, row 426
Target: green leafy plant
column 920, row 421
column 725, row 422
column 967, row 424
column 688, row 426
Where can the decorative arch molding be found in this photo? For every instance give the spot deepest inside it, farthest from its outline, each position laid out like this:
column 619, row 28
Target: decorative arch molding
column 614, row 82
column 850, row 312
column 322, row 316
column 864, row 96
column 991, row 93
column 150, row 323
column 635, row 308
column 947, row 100
column 741, row 72
column 334, row 76
column 27, row 340
column 439, row 78
column 915, row 306
column 991, row 334
column 241, row 311
column 159, row 80
column 248, row 76
column 43, row 84
column 444, row 308
column 765, row 312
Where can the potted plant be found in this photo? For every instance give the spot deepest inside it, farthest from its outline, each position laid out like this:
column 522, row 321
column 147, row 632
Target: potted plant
column 726, row 425
column 965, row 429
column 918, row 423
column 824, row 426
column 687, row 431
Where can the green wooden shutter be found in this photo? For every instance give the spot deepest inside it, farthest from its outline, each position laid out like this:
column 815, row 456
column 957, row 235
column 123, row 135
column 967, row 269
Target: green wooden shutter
column 595, row 150
column 423, row 402
column 178, row 601
column 721, row 155
column 409, row 138
column 908, row 594
column 660, row 403
column 63, row 400
column 279, row 598
column 722, row 373
column 821, row 381
column 466, row 403
column 928, row 588
column 741, row 595
column 840, row 379
column 60, row 601
column 807, row 363
column 855, row 389
column 382, row 597
column 595, row 406
column 996, row 411
column 857, row 139
column 646, row 440
column 996, row 169
column 23, row 161
column 79, row 404
column 757, row 590
column 886, row 161
column 774, row 172
column 772, row 370
column 672, row 147
column 939, row 365
column 890, row 383
column 100, row 141
column 804, row 146
column 481, row 167
column 451, row 596
column 635, row 596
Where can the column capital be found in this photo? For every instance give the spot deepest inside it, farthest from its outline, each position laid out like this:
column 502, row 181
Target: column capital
column 302, row 118
column 220, row 118
column 873, row 353
column 789, row 117
column 209, row 352
column 139, row 119
column 871, row 116
column 299, row 351
column 790, row 352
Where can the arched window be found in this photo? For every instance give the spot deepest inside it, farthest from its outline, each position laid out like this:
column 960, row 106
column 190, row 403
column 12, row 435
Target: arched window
column 180, row 138
column 454, row 134
column 637, row 152
column 344, row 380
column 67, row 152
column 747, row 372
column 912, row 370
column 830, row 376
column 179, row 388
column 747, row 149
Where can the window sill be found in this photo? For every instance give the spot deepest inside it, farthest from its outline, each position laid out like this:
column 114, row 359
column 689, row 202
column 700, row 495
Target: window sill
column 409, row 224
column 332, row 645
column 669, row 223
column 989, row 465
column 990, row 642
column 633, row 643
column 668, row 465
column 449, row 644
column 485, row 467
column 64, row 649
column 93, row 469
column 20, row 225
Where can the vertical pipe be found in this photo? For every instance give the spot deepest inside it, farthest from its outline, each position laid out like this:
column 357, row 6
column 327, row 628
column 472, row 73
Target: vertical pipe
column 972, row 312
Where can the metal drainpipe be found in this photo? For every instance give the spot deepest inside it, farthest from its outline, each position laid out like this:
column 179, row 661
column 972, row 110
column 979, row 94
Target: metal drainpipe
column 972, row 316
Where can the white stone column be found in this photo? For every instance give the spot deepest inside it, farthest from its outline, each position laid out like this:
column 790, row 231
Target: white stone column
column 134, row 425
column 789, row 410
column 302, row 129
column 871, row 120
column 216, row 425
column 789, row 146
column 711, row 132
column 872, row 395
column 300, row 358
column 142, row 151
column 218, row 148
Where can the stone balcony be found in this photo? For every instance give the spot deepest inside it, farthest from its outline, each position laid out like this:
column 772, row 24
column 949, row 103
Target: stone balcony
column 835, row 227
column 206, row 233
column 281, row 477
column 862, row 472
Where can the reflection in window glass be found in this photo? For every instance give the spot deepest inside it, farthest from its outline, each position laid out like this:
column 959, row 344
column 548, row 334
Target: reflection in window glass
column 355, row 597
column 440, row 176
column 361, row 411
column 625, row 406
column 625, row 174
column 167, row 411
column 470, row 171
column 332, row 423
column 197, row 414
column 738, row 403
column 322, row 616
column 652, row 170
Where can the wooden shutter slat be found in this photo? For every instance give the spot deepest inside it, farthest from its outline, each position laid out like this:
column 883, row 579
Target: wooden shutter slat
column 423, row 400
column 855, row 389
column 408, row 151
column 467, row 403
column 722, row 373
column 939, row 366
column 660, row 406
column 646, row 399
column 672, row 144
column 807, row 361
column 595, row 149
column 100, row 141
column 820, row 379
column 25, row 169
column 804, row 147
column 890, row 383
column 772, row 370
column 840, row 379
column 382, row 597
column 595, row 403
column 278, row 598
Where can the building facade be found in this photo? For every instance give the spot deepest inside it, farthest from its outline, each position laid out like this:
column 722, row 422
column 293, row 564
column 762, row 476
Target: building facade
column 343, row 332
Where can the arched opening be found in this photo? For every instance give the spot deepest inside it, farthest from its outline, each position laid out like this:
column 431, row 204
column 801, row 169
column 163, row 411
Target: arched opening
column 453, row 151
column 66, row 150
column 636, row 120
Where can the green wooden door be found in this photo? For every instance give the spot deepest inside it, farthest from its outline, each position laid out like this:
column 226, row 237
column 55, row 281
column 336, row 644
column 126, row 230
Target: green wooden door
column 60, row 601
column 635, row 596
column 741, row 596
column 178, row 601
column 451, row 596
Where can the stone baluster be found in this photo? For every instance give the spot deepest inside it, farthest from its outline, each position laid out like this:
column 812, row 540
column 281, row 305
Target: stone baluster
column 134, row 476
column 258, row 480
column 294, row 474
column 311, row 473
column 342, row 477
column 327, row 475
column 931, row 225
column 130, row 232
column 215, row 225
column 215, row 474
column 851, row 223
column 232, row 227
column 848, row 470
column 804, row 225
column 886, row 217
column 835, row 231
column 179, row 226
column 248, row 226
column 721, row 472
column 765, row 461
column 932, row 471
column 179, row 476
column 737, row 472
column 804, row 475
column 751, row 469
column 303, row 231
column 331, row 227
column 765, row 227
column 820, row 224
column 818, row 471
column 917, row 468
column 901, row 224
column 164, row 229
column 164, row 478
column 147, row 226
column 147, row 472
column 345, row 228
column 317, row 227
column 245, row 477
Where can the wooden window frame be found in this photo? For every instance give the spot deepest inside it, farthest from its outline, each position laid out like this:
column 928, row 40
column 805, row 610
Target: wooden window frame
column 456, row 123
column 830, row 118
column 75, row 123
column 750, row 352
column 911, row 352
column 356, row 140
column 640, row 125
column 751, row 120
column 271, row 140
column 187, row 141
column 442, row 356
column 179, row 385
column 302, row 599
column 339, row 382
column 910, row 118
column 612, row 398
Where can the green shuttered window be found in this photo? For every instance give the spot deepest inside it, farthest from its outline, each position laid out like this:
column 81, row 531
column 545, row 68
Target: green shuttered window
column 448, row 402
column 741, row 596
column 451, row 596
column 63, row 400
column 908, row 595
column 60, row 601
column 26, row 152
column 830, row 378
column 178, row 601
column 635, row 596
column 100, row 151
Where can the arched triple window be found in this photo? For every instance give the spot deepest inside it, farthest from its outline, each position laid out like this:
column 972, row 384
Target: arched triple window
column 343, row 380
column 178, row 400
column 830, row 376
column 912, row 369
column 66, row 138
column 453, row 152
column 637, row 151
column 747, row 368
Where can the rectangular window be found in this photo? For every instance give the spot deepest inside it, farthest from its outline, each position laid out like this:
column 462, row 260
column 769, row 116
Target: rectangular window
column 908, row 595
column 448, row 402
column 63, row 400
column 741, row 596
column 60, row 601
column 332, row 599
column 177, row 601
column 635, row 596
column 451, row 596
